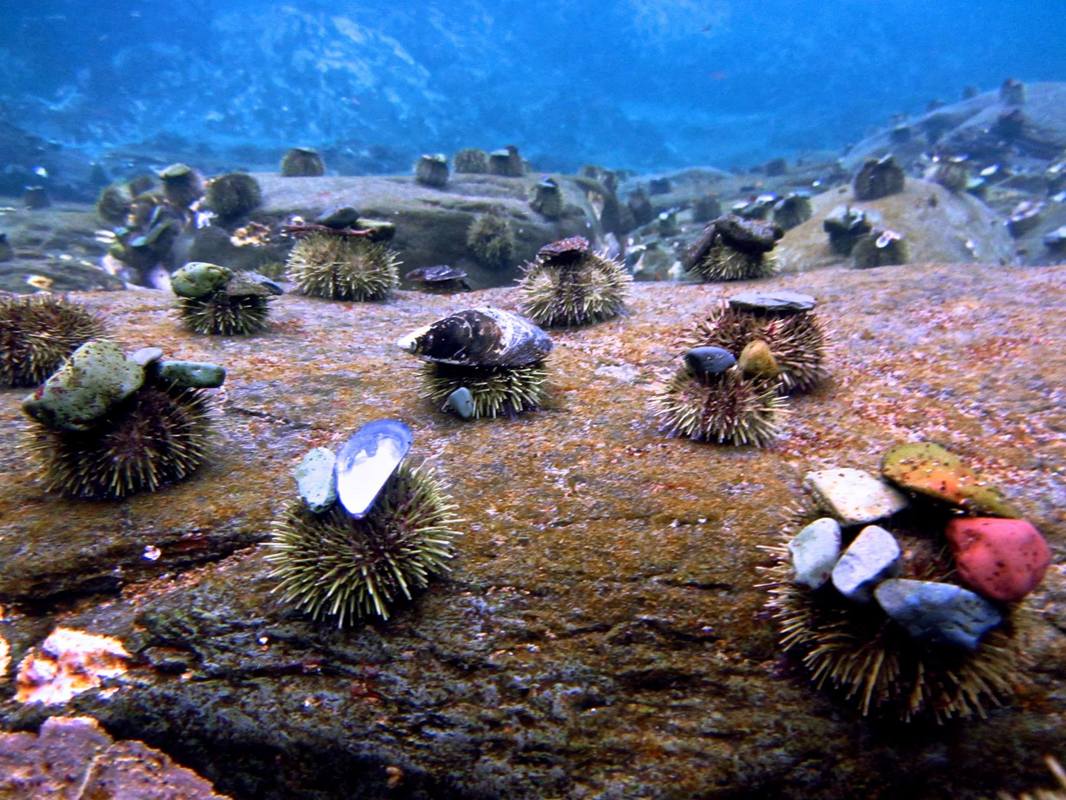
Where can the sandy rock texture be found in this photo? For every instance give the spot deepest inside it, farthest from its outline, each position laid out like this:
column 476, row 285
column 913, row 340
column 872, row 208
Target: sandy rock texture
column 602, row 633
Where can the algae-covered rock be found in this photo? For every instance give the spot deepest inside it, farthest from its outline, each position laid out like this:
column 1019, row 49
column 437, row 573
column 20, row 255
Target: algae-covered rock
column 199, row 279
column 97, row 377
column 934, row 471
column 192, row 374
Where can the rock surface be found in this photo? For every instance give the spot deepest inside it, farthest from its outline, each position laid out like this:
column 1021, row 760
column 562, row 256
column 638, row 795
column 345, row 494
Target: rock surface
column 73, row 757
column 938, row 226
column 601, row 633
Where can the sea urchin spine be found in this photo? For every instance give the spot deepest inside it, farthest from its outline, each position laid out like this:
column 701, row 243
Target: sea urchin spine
column 37, row 333
column 342, row 268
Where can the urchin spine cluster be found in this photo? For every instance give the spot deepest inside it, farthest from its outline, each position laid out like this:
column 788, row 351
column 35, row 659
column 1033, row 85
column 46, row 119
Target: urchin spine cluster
column 796, row 341
column 591, row 290
column 220, row 314
column 727, row 408
column 340, row 268
column 158, row 435
column 877, row 665
column 334, row 566
column 496, row 391
column 37, row 333
column 724, row 263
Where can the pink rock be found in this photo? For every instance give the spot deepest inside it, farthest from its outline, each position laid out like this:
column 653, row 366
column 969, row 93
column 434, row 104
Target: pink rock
column 1002, row 559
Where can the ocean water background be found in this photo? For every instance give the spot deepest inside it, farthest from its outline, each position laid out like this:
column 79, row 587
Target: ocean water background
column 642, row 84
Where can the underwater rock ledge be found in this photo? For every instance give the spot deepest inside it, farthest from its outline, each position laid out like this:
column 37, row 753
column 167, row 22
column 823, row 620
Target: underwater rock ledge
column 601, row 634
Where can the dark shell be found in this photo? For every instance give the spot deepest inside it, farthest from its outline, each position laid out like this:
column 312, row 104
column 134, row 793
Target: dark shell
column 564, row 251
column 484, row 337
column 748, row 235
column 441, row 273
column 707, row 361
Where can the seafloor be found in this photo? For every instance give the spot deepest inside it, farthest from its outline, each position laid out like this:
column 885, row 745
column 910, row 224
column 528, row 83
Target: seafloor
column 602, row 633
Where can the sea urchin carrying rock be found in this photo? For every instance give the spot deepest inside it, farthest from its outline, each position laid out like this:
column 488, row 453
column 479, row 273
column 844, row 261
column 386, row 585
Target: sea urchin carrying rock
column 366, row 531
column 710, row 399
column 732, row 248
column 784, row 320
column 106, row 426
column 37, row 333
column 343, row 268
column 568, row 284
column 482, row 362
column 215, row 300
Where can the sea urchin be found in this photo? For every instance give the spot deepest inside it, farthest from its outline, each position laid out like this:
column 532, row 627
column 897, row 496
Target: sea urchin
column 723, row 405
column 732, row 248
column 567, row 284
column 343, row 268
column 794, row 337
column 875, row 663
column 214, row 300
column 367, row 530
column 495, row 356
column 98, row 437
column 37, row 333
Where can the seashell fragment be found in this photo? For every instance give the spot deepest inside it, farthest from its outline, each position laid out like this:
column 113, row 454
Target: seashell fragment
column 367, row 461
column 484, row 337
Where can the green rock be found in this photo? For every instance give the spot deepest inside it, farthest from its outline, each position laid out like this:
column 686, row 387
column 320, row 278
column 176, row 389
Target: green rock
column 199, row 278
column 192, row 374
column 97, row 377
column 934, row 471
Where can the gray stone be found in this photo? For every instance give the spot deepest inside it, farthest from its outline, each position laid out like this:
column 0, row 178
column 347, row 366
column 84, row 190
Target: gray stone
column 146, row 355
column 432, row 170
column 192, row 374
column 367, row 461
column 1056, row 239
column 781, row 301
column 854, row 497
column 815, row 551
column 95, row 378
column 705, row 361
column 941, row 613
column 338, row 217
column 461, row 401
column 870, row 559
column 316, row 479
column 199, row 278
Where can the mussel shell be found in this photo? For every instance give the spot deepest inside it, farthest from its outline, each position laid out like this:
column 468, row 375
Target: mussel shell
column 563, row 251
column 747, row 235
column 442, row 273
column 482, row 337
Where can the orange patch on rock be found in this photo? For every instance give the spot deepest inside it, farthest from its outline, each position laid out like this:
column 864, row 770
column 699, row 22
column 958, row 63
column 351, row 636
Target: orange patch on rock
column 67, row 663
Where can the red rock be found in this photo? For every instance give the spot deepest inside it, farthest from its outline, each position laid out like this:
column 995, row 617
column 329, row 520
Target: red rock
column 1002, row 559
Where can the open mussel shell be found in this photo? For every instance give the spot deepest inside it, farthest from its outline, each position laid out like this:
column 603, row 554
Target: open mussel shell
column 442, row 273
column 366, row 462
column 482, row 337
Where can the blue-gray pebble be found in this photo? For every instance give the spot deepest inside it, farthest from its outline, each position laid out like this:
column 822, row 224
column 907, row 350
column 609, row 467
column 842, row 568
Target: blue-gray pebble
column 705, row 361
column 461, row 401
column 941, row 613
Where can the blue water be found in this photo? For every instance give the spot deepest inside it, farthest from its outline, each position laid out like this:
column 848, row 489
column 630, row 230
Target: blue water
column 643, row 84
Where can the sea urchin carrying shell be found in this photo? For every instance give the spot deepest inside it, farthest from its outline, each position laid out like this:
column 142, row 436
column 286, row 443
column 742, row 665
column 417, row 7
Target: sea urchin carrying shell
column 107, row 426
column 710, row 399
column 37, row 333
column 788, row 326
column 568, row 284
column 336, row 565
column 496, row 356
column 732, row 248
column 215, row 300
column 343, row 268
